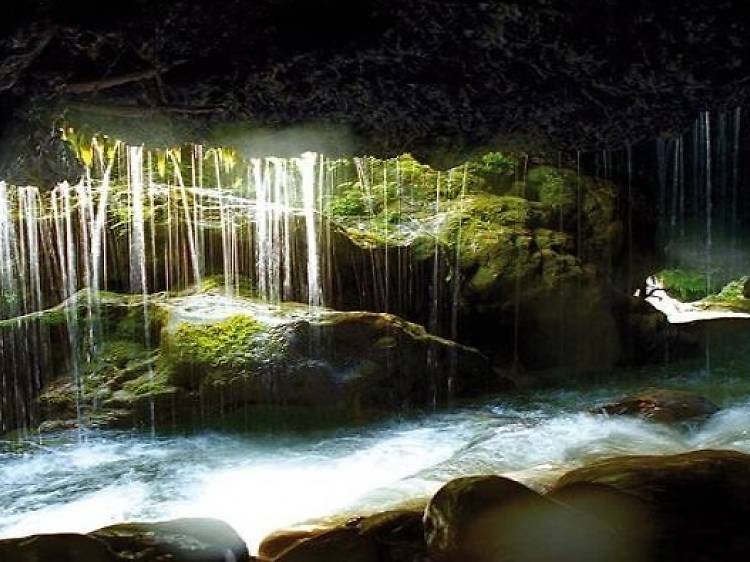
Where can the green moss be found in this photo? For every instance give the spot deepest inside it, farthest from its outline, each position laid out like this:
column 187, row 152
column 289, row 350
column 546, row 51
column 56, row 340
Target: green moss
column 227, row 345
column 546, row 239
column 685, row 285
column 348, row 201
column 152, row 383
column 216, row 283
column 551, row 188
column 423, row 247
column 731, row 297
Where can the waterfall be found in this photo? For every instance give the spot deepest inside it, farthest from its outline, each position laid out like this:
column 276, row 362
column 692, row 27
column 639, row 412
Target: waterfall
column 132, row 224
column 709, row 201
column 307, row 171
column 9, row 302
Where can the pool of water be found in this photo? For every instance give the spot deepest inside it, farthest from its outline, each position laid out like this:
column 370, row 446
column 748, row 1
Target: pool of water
column 262, row 481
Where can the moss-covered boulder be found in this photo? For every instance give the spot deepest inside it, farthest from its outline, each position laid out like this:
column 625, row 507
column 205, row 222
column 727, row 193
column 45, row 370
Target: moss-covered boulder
column 524, row 268
column 732, row 297
column 244, row 352
column 213, row 355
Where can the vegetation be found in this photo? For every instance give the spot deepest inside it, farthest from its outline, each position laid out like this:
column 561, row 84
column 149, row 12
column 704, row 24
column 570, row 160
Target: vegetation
column 684, row 285
column 227, row 344
column 732, row 296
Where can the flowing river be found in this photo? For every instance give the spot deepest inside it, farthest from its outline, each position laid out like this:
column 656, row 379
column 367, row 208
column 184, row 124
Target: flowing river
column 262, row 481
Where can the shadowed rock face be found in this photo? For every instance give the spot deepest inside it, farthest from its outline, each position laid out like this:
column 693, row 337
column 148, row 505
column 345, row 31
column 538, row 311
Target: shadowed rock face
column 441, row 79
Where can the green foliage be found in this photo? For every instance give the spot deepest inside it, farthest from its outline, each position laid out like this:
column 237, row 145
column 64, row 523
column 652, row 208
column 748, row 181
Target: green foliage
column 731, row 296
column 348, row 201
column 492, row 170
column 684, row 285
column 550, row 188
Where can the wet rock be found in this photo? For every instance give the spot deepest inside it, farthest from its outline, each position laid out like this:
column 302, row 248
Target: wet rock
column 661, row 405
column 217, row 355
column 60, row 548
column 699, row 502
column 398, row 534
column 278, row 542
column 647, row 336
column 188, row 540
column 339, row 544
column 489, row 518
column 628, row 516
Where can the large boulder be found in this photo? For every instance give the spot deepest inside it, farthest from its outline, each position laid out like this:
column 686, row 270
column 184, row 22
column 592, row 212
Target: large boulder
column 292, row 355
column 282, row 540
column 698, row 503
column 61, row 548
column 543, row 258
column 391, row 536
column 662, row 405
column 338, row 544
column 181, row 540
column 489, row 518
column 214, row 355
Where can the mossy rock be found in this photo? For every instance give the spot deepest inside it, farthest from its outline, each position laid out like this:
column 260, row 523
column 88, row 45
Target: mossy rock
column 731, row 297
column 218, row 354
column 229, row 346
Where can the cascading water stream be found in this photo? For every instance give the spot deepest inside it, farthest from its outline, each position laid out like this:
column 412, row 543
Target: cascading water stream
column 113, row 229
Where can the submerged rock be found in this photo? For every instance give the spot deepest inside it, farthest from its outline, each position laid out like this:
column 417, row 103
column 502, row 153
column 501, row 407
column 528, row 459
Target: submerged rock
column 661, row 405
column 698, row 503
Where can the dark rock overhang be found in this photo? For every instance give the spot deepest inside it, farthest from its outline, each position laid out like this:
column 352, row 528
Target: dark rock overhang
column 442, row 79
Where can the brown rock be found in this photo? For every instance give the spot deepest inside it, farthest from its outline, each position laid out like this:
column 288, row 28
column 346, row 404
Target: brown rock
column 489, row 518
column 699, row 502
column 398, row 534
column 660, row 405
column 342, row 544
column 280, row 541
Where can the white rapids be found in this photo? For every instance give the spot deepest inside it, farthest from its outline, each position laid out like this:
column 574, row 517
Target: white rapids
column 260, row 482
